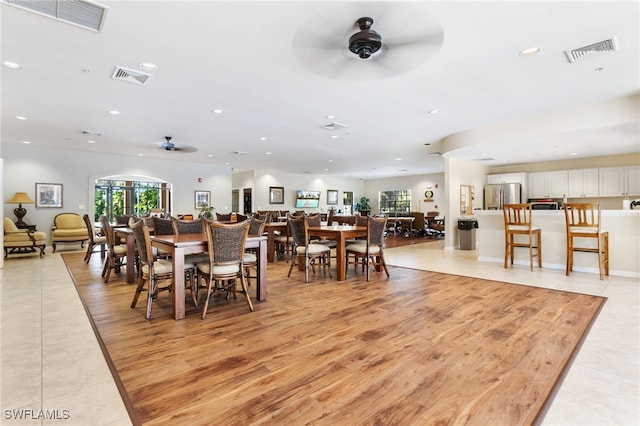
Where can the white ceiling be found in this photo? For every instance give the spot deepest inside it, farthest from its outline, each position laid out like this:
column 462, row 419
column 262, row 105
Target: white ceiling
column 278, row 69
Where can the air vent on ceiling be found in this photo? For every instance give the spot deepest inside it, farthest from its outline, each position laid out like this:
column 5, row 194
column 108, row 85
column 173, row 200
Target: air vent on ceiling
column 592, row 50
column 132, row 76
column 334, row 126
column 85, row 14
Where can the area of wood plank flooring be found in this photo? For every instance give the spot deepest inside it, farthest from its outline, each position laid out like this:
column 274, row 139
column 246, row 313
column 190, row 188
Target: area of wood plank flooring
column 416, row 348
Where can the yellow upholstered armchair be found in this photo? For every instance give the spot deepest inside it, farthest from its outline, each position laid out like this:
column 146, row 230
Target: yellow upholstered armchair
column 22, row 240
column 68, row 228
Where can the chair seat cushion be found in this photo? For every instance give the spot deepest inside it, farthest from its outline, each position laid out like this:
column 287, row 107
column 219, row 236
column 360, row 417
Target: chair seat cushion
column 313, row 249
column 120, row 249
column 585, row 230
column 23, row 236
column 67, row 234
column 522, row 228
column 205, row 268
column 160, row 267
column 362, row 248
column 250, row 258
column 100, row 240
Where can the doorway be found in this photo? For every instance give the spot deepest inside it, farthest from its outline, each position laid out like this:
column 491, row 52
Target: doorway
column 247, row 201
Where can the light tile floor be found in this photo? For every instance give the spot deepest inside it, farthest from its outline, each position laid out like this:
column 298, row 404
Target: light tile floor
column 50, row 358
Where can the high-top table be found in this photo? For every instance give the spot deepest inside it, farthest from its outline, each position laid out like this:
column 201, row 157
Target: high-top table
column 340, row 233
column 181, row 245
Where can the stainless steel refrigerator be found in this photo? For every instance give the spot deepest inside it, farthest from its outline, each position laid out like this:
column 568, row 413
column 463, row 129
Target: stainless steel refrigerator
column 496, row 195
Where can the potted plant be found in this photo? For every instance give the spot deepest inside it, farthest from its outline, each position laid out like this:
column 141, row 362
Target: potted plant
column 207, row 213
column 363, row 206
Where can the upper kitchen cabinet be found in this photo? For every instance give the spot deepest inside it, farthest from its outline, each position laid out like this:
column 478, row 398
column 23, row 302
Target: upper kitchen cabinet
column 619, row 181
column 520, row 178
column 583, row 183
column 548, row 184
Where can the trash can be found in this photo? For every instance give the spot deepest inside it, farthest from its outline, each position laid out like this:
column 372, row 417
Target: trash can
column 467, row 233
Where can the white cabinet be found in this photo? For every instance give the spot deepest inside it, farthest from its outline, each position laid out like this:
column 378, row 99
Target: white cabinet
column 619, row 181
column 582, row 183
column 548, row 184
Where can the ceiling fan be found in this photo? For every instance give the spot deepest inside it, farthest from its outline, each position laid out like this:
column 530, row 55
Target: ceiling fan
column 342, row 43
column 167, row 145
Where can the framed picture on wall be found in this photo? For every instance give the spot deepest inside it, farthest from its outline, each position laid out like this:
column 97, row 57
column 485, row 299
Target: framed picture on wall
column 49, row 195
column 202, row 199
column 332, row 196
column 276, row 195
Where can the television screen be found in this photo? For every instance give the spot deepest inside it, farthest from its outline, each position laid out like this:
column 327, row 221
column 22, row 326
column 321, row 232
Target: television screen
column 307, row 199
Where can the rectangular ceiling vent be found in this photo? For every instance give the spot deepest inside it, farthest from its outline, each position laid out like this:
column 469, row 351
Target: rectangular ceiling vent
column 132, row 76
column 83, row 13
column 592, row 50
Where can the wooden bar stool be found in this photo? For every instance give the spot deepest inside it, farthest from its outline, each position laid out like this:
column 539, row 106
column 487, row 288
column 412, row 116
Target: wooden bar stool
column 583, row 221
column 517, row 221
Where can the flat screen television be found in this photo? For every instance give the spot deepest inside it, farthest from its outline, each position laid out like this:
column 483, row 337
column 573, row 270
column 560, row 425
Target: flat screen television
column 307, row 199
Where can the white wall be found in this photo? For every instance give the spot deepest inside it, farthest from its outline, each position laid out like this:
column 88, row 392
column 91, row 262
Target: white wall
column 460, row 172
column 77, row 171
column 261, row 180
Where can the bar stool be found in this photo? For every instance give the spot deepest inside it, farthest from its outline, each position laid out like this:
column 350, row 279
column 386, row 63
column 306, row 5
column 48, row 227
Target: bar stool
column 583, row 221
column 517, row 221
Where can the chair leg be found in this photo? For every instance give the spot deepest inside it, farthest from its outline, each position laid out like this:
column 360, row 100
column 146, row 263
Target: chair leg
column 151, row 293
column 569, row 255
column 539, row 249
column 139, row 290
column 245, row 290
column 206, row 303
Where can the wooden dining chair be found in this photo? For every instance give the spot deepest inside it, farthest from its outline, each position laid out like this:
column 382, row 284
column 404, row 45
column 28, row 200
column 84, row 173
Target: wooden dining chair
column 153, row 271
column 517, row 221
column 95, row 240
column 582, row 220
column 226, row 247
column 303, row 250
column 370, row 251
column 116, row 252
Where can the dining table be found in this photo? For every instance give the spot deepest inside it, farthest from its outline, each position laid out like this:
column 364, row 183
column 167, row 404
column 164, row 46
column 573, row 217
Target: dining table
column 183, row 244
column 339, row 233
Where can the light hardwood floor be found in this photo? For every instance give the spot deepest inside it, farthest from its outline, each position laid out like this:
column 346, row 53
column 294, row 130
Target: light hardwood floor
column 50, row 358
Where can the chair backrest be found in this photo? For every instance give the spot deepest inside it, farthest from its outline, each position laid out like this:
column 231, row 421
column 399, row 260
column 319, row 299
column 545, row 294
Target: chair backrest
column 330, row 217
column 582, row 217
column 122, row 219
column 298, row 229
column 362, row 220
column 314, row 220
column 68, row 221
column 226, row 241
column 241, row 217
column 196, row 226
column 225, row 217
column 157, row 213
column 143, row 241
column 107, row 230
column 375, row 230
column 517, row 216
column 9, row 226
column 256, row 226
column 162, row 226
column 90, row 231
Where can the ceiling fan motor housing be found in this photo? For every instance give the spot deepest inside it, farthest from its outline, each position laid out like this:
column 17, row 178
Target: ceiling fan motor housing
column 365, row 42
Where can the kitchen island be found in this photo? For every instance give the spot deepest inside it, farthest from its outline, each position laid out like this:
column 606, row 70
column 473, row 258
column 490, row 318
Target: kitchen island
column 624, row 241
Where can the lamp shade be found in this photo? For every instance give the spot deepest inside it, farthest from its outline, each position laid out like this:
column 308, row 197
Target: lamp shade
column 20, row 198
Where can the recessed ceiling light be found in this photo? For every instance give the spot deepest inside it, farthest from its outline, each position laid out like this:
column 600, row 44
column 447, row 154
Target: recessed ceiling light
column 148, row 66
column 399, row 159
column 330, row 161
column 114, row 112
column 334, row 136
column 267, row 153
column 91, row 141
column 331, row 117
column 573, row 153
column 140, row 155
column 434, row 111
column 20, row 117
column 210, row 155
column 530, row 51
column 11, row 65
column 263, row 138
column 26, row 142
column 217, row 111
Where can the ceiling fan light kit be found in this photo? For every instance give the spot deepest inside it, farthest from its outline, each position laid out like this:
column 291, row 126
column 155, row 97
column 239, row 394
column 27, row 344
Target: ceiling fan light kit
column 365, row 42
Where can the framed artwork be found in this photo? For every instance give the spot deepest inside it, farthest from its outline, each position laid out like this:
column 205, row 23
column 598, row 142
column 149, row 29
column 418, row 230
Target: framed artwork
column 276, row 195
column 49, row 195
column 202, row 199
column 332, row 196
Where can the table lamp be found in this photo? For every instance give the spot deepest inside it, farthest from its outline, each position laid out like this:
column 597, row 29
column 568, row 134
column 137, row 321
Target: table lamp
column 20, row 212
